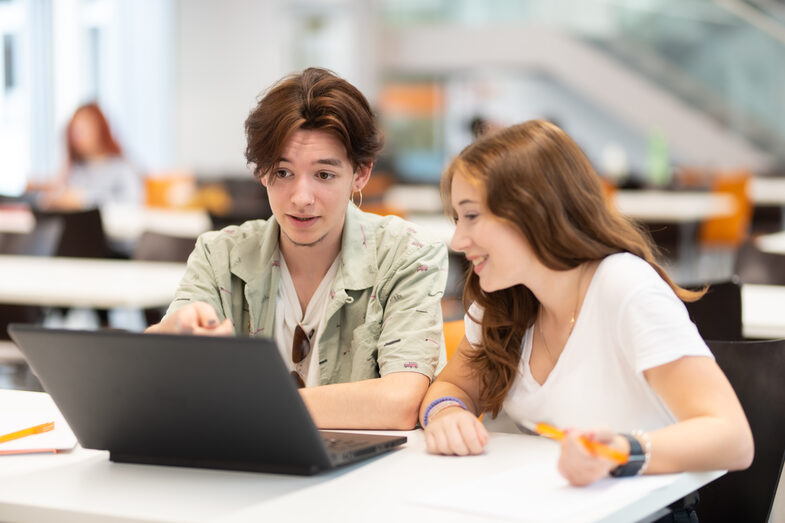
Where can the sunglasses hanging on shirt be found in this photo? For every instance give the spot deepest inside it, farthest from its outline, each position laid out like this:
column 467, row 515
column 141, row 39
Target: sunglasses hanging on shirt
column 301, row 348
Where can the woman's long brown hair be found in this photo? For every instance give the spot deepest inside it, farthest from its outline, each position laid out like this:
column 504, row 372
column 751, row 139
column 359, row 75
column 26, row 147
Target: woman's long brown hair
column 539, row 181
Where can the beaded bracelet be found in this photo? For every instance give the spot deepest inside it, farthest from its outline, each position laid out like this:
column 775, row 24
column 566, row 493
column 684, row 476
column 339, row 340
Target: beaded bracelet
column 646, row 444
column 444, row 401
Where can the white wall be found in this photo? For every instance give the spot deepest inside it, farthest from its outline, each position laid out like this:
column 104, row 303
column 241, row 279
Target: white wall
column 228, row 52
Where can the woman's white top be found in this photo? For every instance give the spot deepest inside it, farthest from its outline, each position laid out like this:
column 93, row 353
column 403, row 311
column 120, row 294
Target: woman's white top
column 109, row 180
column 630, row 321
column 288, row 314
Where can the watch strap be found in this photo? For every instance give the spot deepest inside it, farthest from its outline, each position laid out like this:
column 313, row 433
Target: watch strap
column 635, row 460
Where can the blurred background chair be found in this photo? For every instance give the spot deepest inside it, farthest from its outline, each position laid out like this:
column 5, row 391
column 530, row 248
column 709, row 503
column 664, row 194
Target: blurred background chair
column 247, row 201
column 154, row 246
column 729, row 231
column 766, row 219
column 667, row 237
column 43, row 240
column 755, row 370
column 755, row 266
column 719, row 238
column 453, row 334
column 718, row 313
column 82, row 235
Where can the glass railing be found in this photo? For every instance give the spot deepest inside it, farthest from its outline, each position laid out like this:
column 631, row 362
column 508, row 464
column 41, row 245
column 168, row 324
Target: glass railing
column 724, row 58
column 730, row 66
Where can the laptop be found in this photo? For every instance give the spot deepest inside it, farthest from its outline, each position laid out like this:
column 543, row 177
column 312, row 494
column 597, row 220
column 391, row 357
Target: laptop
column 193, row 401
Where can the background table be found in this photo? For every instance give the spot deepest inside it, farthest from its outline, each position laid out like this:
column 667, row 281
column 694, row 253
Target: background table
column 125, row 223
column 773, row 243
column 16, row 219
column 84, row 485
column 763, row 311
column 767, row 190
column 122, row 223
column 82, row 282
column 673, row 206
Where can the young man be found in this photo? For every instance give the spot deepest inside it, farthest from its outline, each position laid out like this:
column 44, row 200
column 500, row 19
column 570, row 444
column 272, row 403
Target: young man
column 352, row 299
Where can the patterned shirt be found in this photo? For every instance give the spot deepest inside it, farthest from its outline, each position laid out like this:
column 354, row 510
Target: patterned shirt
column 384, row 311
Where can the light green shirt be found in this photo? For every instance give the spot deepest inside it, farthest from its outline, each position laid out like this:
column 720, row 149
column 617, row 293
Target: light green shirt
column 384, row 311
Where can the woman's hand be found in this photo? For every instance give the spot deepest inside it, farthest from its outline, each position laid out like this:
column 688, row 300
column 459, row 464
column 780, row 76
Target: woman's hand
column 196, row 318
column 455, row 431
column 579, row 465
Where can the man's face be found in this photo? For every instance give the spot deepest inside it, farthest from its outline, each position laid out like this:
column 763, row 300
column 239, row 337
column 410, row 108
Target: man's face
column 310, row 190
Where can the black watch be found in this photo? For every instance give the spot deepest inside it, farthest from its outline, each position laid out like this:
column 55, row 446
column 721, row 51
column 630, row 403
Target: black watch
column 634, row 462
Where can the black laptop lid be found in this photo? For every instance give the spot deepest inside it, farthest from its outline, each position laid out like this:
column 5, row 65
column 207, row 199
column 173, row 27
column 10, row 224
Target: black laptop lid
column 155, row 398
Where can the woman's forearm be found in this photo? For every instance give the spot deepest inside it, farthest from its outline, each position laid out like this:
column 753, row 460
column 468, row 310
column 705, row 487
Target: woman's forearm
column 701, row 443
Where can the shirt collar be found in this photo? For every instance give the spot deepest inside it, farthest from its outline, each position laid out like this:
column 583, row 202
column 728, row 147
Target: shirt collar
column 257, row 249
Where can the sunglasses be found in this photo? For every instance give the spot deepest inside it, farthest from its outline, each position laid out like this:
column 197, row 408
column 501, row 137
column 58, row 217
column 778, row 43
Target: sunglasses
column 301, row 348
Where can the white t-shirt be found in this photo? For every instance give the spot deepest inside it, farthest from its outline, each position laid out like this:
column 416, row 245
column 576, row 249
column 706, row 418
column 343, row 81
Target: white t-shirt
column 110, row 180
column 630, row 321
column 288, row 313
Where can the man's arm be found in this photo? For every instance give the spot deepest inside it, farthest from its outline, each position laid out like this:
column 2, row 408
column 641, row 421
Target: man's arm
column 391, row 402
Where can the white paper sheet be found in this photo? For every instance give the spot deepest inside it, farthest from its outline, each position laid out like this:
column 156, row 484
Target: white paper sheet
column 538, row 493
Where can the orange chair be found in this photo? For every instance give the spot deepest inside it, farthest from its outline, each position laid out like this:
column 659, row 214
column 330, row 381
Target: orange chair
column 609, row 189
column 729, row 231
column 453, row 334
column 382, row 209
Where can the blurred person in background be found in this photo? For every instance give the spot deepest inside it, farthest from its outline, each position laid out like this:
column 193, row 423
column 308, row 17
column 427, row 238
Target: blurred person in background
column 352, row 299
column 95, row 171
column 480, row 125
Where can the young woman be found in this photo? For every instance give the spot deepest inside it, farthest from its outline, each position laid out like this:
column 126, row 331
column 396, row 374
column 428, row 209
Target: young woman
column 570, row 321
column 95, row 172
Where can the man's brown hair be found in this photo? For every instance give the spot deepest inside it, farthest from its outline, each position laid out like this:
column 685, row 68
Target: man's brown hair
column 315, row 99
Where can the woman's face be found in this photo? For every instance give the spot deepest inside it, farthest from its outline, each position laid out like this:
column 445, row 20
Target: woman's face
column 84, row 134
column 500, row 255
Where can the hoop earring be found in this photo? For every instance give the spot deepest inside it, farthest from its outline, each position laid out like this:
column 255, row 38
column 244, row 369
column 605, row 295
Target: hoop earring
column 361, row 198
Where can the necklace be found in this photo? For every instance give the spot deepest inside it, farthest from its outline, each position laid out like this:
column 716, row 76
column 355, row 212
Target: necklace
column 572, row 318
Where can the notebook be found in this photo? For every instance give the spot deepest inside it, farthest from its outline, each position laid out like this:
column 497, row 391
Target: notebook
column 21, row 410
column 194, row 401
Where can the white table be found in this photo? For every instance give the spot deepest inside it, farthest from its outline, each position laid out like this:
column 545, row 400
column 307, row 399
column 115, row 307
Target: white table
column 772, row 243
column 423, row 202
column 763, row 311
column 642, row 205
column 83, row 485
column 437, row 225
column 673, row 206
column 92, row 283
column 16, row 219
column 424, row 199
column 125, row 223
column 767, row 190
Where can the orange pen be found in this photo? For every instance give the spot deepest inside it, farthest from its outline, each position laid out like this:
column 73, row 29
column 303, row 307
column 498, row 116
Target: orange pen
column 592, row 446
column 37, row 429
